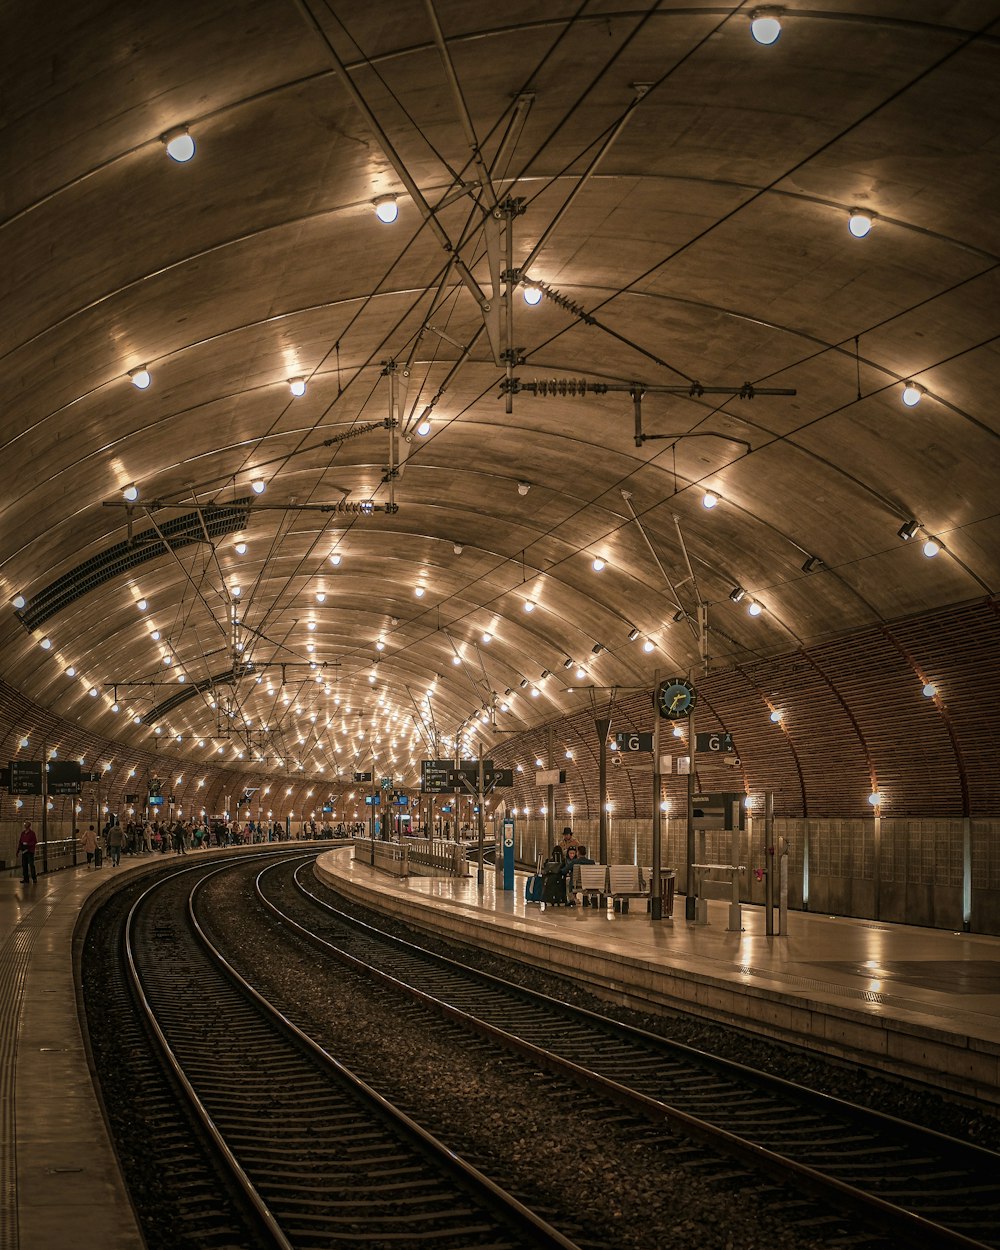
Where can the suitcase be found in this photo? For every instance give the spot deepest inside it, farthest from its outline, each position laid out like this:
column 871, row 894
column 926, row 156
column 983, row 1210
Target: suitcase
column 553, row 890
column 533, row 888
column 98, row 857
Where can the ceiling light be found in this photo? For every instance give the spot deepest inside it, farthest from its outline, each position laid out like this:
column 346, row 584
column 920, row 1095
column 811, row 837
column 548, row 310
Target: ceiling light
column 179, row 144
column 258, row 486
column 371, row 678
column 236, row 591
column 158, row 729
column 523, row 682
column 19, row 602
column 297, row 386
column 775, row 717
column 424, row 428
column 754, row 609
column 182, row 677
column 875, row 799
column 812, row 564
column 92, row 692
column 532, row 295
column 46, row 644
column 115, row 707
column 580, row 674
column 523, row 488
column 648, row 645
column 138, row 721
column 709, row 500
column 419, row 592
column 487, row 637
column 142, row 605
column 765, row 26
column 906, row 531
column 931, row 547
column 386, row 209
column 633, row 634
column 534, row 692
column 71, row 671
column 456, row 659
column 529, row 605
column 930, row 690
column 141, row 378
column 380, row 645
column 567, row 663
column 241, row 549
column 912, row 394
column 168, row 660
column 737, row 593
column 155, row 635
column 336, row 558
column 859, row 223
column 597, row 564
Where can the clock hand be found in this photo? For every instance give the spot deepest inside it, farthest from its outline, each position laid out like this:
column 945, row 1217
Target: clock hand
column 678, row 698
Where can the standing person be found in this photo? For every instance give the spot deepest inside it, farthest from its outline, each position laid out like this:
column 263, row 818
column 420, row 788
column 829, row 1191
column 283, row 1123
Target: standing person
column 115, row 844
column 26, row 846
column 89, row 844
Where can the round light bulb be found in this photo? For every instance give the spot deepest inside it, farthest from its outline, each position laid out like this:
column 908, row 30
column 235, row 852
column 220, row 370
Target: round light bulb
column 419, row 592
column 931, row 548
column 386, row 209
column 236, row 591
column 297, row 386
column 142, row 605
column 487, row 637
column 709, row 500
column 456, row 659
column 46, row 644
column 775, row 717
column 380, row 645
column 336, row 558
column 597, row 564
column 131, row 493
column 141, row 378
column 71, row 671
column 258, row 486
column 764, row 28
column 180, row 146
column 911, row 394
column 532, row 295
column 648, row 645
column 529, row 605
column 534, row 692
column 115, row 707
column 930, row 690
column 19, row 602
column 859, row 223
column 155, row 635
column 875, row 799
column 92, row 692
column 424, row 428
column 580, row 674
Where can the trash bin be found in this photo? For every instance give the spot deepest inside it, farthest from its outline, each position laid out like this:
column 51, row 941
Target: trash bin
column 668, row 881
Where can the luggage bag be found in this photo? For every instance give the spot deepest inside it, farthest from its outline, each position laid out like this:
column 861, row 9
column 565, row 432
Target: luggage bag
column 533, row 888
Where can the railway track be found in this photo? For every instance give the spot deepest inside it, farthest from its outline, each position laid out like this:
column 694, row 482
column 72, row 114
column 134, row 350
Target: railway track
column 320, row 1158
column 918, row 1186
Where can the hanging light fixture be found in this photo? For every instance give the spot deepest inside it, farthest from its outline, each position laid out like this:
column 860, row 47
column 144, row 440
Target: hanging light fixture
column 140, row 377
column 130, row 493
column 386, row 209
column 860, row 222
column 912, row 394
column 258, row 486
column 179, row 144
column 765, row 26
column 297, row 386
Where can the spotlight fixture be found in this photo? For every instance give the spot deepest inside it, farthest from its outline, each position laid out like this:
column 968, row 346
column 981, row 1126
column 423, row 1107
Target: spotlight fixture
column 754, row 609
column 912, row 394
column 737, row 593
column 142, row 605
column 179, row 144
column 709, row 499
column 532, row 295
column 930, row 690
column 419, row 591
column 931, row 548
column 424, row 428
column 379, row 645
column 71, row 671
column 523, row 682
column 241, row 549
column 130, row 493
column 633, row 634
column 860, row 222
column 812, row 564
column 236, row 591
column 523, row 488
column 567, row 663
column 765, row 26
column 678, row 616
column 321, row 596
column 775, row 717
column 386, row 209
column 875, row 799
column 597, row 564
column 487, row 636
column 141, row 378
column 508, row 692
column 545, row 673
column 336, row 558
column 92, row 692
column 648, row 645
column 46, row 644
column 297, row 386
column 907, row 530
column 258, row 486
column 598, row 647
column 529, row 605
column 458, row 549
column 19, row 601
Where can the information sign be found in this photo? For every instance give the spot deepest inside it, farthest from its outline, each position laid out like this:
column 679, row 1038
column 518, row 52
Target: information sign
column 361, row 778
column 714, row 743
column 435, row 776
column 64, row 777
column 25, row 776
column 634, row 742
column 372, row 800
column 155, row 800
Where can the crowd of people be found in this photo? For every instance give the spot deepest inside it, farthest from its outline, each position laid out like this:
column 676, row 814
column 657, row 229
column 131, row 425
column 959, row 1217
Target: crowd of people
column 177, row 837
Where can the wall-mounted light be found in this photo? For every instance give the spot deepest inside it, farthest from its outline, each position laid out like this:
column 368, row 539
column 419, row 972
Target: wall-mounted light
column 860, row 222
column 297, row 386
column 140, row 377
column 912, row 394
column 765, row 26
column 179, row 144
column 386, row 209
column 737, row 593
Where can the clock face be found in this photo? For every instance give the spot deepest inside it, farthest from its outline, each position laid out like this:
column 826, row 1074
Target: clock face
column 676, row 698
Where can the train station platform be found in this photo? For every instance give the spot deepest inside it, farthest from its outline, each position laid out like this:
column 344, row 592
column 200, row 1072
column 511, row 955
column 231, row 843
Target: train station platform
column 918, row 1003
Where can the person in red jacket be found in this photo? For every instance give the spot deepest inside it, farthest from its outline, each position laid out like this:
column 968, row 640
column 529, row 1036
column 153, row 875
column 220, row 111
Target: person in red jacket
column 26, row 845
